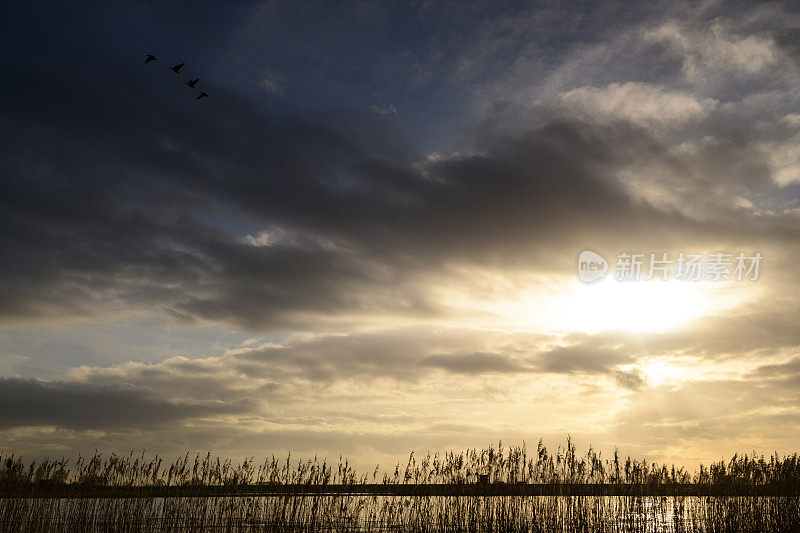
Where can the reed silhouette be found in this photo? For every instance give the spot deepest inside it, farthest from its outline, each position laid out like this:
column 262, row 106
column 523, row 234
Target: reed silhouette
column 520, row 490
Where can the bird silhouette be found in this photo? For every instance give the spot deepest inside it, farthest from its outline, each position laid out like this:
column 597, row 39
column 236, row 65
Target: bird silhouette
column 192, row 83
column 149, row 58
column 177, row 68
column 202, row 95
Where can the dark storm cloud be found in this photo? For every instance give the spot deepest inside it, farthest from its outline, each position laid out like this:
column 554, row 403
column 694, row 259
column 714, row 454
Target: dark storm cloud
column 81, row 406
column 281, row 202
column 788, row 39
column 119, row 208
column 115, row 187
column 152, row 210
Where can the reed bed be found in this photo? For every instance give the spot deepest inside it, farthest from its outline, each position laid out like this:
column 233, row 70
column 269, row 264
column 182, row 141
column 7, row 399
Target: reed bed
column 98, row 494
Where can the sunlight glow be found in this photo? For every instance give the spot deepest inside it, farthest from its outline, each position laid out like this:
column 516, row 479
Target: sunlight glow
column 637, row 306
column 611, row 305
column 645, row 305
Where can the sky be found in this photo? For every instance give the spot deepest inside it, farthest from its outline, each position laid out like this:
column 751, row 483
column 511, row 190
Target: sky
column 366, row 239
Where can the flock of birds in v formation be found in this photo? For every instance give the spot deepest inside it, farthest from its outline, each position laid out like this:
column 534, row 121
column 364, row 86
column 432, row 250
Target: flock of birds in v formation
column 177, row 70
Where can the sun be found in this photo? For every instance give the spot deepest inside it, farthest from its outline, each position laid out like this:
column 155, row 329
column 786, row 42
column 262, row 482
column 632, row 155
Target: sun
column 641, row 306
column 562, row 305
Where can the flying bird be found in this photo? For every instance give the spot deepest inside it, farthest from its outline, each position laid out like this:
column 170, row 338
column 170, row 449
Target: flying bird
column 202, row 95
column 192, row 83
column 149, row 58
column 177, row 68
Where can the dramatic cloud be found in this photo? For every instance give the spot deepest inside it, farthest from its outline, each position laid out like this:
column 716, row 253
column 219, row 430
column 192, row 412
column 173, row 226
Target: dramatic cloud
column 365, row 238
column 80, row 406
